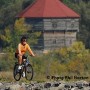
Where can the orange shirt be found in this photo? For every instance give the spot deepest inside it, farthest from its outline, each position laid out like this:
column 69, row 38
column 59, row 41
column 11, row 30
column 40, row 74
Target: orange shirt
column 22, row 49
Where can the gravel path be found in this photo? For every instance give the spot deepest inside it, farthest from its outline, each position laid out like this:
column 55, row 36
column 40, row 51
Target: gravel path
column 56, row 85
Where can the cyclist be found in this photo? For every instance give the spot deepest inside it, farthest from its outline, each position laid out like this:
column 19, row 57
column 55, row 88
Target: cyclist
column 21, row 50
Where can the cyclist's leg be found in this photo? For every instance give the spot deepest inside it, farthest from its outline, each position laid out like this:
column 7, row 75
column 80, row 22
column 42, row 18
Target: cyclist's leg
column 20, row 61
column 19, row 58
column 23, row 58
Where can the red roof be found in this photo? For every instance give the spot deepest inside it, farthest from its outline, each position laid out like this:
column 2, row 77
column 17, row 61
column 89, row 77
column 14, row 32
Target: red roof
column 48, row 9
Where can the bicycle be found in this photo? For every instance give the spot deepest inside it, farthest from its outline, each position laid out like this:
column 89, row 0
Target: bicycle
column 26, row 67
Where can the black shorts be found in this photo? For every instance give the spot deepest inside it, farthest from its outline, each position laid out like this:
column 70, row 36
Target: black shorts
column 23, row 57
column 16, row 55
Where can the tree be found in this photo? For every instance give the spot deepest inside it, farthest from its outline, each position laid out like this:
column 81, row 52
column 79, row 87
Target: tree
column 8, row 14
column 26, row 3
column 5, row 38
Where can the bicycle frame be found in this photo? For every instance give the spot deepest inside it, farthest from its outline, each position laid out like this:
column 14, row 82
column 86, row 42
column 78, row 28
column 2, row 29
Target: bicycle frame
column 25, row 61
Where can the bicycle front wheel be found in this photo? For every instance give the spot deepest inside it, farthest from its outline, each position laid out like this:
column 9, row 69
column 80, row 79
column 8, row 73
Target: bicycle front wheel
column 16, row 73
column 29, row 72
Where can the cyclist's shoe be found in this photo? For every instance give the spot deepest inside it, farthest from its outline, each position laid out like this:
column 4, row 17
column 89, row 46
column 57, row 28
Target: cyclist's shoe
column 23, row 75
column 19, row 68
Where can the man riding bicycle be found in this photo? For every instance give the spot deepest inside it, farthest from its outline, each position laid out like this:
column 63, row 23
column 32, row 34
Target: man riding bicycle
column 21, row 50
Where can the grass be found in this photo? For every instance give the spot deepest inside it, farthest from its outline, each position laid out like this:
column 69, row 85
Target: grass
column 7, row 76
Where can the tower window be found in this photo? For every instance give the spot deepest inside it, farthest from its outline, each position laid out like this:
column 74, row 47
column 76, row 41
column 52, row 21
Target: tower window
column 54, row 41
column 54, row 23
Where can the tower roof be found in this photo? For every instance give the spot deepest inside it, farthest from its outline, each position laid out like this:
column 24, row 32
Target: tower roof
column 48, row 9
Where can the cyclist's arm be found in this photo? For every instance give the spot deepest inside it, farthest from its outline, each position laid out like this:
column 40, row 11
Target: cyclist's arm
column 30, row 51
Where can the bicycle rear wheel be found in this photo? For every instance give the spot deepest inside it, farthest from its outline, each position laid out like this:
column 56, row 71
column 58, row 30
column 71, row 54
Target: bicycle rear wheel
column 16, row 73
column 29, row 72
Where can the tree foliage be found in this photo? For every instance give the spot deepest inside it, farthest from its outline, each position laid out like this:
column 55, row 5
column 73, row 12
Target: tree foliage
column 20, row 26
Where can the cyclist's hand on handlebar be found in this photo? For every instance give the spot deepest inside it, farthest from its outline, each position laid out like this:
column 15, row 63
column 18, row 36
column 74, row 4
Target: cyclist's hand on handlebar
column 32, row 55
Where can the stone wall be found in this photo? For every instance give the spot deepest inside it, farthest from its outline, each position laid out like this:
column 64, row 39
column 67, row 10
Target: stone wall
column 54, row 40
column 61, row 24
column 56, row 33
